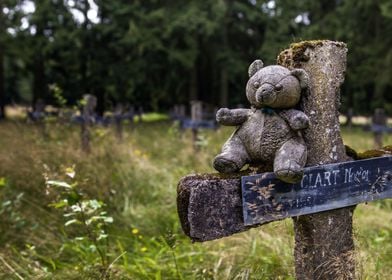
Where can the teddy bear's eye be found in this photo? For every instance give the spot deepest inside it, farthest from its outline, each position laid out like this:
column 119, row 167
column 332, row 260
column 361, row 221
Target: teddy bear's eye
column 256, row 84
column 278, row 87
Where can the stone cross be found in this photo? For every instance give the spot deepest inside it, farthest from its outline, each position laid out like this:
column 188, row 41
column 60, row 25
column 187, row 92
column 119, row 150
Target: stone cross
column 88, row 112
column 37, row 116
column 118, row 119
column 196, row 115
column 379, row 122
column 196, row 110
column 210, row 206
column 129, row 114
column 178, row 112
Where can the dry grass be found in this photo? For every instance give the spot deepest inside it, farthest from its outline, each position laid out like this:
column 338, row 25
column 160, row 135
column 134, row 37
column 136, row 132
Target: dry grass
column 137, row 178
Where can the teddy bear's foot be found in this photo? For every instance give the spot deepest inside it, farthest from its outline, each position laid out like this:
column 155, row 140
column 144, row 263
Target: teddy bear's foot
column 224, row 165
column 290, row 175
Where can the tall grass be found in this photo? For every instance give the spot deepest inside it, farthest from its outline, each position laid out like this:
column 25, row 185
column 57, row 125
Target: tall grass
column 137, row 179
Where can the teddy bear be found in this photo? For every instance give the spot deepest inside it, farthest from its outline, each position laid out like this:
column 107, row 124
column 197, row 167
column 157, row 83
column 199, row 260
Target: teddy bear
column 270, row 131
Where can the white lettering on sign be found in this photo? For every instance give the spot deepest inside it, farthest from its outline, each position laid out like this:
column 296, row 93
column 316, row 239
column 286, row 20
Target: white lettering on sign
column 334, row 177
column 327, row 176
column 320, row 179
column 335, row 173
column 357, row 176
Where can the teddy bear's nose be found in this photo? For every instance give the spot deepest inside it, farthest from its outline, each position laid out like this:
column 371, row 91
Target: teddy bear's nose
column 264, row 93
column 266, row 89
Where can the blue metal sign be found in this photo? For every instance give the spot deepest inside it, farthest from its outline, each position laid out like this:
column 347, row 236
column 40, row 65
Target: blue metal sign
column 326, row 187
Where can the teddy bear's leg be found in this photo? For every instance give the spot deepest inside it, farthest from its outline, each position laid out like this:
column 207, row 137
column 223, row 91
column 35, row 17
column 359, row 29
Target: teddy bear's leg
column 233, row 156
column 290, row 160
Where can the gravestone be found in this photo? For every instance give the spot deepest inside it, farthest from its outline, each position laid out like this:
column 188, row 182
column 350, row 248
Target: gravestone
column 38, row 112
column 379, row 126
column 178, row 112
column 37, row 116
column 211, row 206
column 196, row 110
column 200, row 117
column 129, row 114
column 118, row 119
column 196, row 116
column 88, row 114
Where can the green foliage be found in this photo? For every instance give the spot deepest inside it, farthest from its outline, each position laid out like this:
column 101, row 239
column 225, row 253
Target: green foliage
column 58, row 95
column 87, row 217
column 158, row 54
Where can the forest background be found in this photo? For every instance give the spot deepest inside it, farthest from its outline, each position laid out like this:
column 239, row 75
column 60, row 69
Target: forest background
column 159, row 53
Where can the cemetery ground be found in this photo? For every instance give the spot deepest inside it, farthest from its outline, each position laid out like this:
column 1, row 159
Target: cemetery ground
column 130, row 229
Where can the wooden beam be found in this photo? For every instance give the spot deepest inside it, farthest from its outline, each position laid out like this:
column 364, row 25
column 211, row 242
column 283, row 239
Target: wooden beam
column 210, row 205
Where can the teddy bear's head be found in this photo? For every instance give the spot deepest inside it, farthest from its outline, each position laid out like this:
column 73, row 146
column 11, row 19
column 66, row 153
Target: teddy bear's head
column 275, row 86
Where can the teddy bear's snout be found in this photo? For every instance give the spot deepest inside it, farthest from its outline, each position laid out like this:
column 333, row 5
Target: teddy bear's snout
column 265, row 94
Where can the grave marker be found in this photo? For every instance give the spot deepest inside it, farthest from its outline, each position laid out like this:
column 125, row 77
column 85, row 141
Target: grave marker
column 118, row 118
column 210, row 206
column 196, row 122
column 178, row 112
column 379, row 126
column 37, row 116
column 88, row 113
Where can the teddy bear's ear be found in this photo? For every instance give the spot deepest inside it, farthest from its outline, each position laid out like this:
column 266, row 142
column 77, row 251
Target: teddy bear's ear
column 302, row 76
column 255, row 66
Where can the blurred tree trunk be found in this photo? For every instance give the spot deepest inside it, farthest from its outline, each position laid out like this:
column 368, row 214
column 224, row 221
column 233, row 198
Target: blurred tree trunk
column 84, row 55
column 2, row 86
column 193, row 88
column 224, row 78
column 224, row 88
column 39, row 79
column 2, row 93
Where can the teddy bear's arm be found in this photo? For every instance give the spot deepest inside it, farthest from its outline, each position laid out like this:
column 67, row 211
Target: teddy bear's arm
column 296, row 119
column 232, row 117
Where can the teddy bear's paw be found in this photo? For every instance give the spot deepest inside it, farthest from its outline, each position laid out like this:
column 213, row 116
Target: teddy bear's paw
column 289, row 175
column 300, row 121
column 224, row 165
column 222, row 115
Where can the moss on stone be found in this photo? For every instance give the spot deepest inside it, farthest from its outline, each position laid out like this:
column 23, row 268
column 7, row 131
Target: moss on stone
column 295, row 55
column 387, row 150
column 375, row 153
column 299, row 49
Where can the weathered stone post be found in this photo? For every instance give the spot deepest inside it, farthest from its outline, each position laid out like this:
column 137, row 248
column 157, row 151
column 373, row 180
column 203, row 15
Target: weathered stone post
column 90, row 102
column 324, row 247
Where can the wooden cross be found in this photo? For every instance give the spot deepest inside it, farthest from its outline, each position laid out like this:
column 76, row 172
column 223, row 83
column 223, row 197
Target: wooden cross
column 118, row 120
column 89, row 104
column 379, row 126
column 196, row 122
column 37, row 116
column 212, row 206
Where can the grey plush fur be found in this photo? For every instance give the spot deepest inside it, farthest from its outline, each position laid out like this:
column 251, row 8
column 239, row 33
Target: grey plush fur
column 269, row 132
